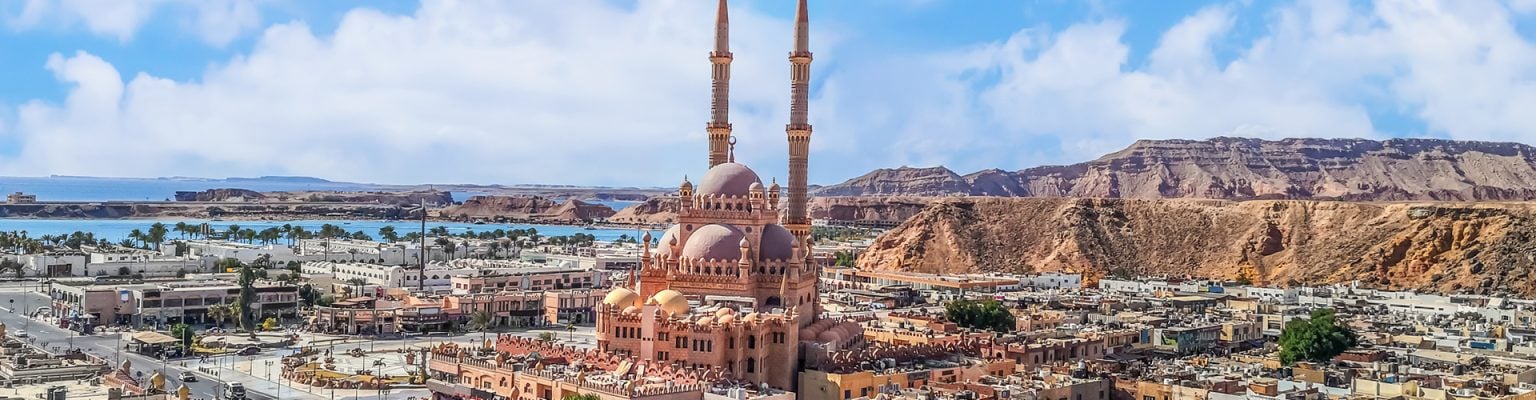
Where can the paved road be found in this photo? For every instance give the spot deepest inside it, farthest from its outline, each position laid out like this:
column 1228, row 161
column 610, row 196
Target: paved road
column 105, row 346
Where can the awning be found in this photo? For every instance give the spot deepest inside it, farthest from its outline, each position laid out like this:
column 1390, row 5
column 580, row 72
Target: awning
column 153, row 338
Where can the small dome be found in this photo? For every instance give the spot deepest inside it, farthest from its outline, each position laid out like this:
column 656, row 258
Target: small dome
column 671, row 301
column 729, row 179
column 726, row 319
column 714, row 242
column 621, row 297
column 704, row 320
column 668, row 239
column 751, row 317
column 631, row 310
column 829, row 336
column 756, row 187
column 686, row 184
column 724, row 312
column 778, row 243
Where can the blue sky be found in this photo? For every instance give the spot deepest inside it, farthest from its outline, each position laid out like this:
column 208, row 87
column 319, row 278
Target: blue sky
column 615, row 92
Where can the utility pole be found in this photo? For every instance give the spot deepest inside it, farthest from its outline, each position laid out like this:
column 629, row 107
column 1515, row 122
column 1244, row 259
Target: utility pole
column 421, row 275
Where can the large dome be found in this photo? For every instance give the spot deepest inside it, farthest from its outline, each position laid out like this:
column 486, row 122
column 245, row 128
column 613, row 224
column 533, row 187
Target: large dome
column 714, row 242
column 672, row 302
column 778, row 243
column 664, row 247
column 621, row 297
column 728, row 179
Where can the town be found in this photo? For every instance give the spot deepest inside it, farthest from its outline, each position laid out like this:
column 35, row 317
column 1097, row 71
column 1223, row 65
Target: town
column 728, row 285
column 539, row 321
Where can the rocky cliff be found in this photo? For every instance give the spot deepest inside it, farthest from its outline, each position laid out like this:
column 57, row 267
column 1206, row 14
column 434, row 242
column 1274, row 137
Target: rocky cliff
column 904, row 181
column 527, row 208
column 214, row 195
column 377, row 197
column 1445, row 247
column 1238, row 168
column 655, row 210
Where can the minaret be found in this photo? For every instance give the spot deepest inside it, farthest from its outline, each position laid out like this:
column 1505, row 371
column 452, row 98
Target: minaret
column 719, row 126
column 799, row 130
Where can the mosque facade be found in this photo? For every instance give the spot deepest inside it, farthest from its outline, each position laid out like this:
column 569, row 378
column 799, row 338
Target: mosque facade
column 731, row 287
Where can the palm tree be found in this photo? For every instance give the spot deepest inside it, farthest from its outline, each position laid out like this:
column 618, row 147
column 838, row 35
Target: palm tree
column 357, row 283
column 388, row 234
column 183, row 228
column 218, row 312
column 157, row 234
column 136, row 235
column 481, row 320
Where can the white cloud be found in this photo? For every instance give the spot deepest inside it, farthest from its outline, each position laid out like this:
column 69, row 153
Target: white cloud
column 478, row 91
column 216, row 22
column 591, row 92
column 1316, row 70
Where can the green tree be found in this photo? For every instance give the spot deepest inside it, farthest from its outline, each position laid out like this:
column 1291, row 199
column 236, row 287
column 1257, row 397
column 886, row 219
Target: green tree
column 389, row 234
column 843, row 259
column 588, row 396
column 548, row 337
column 11, row 265
column 269, row 324
column 157, row 234
column 184, row 333
column 218, row 312
column 481, row 321
column 325, row 300
column 247, row 297
column 986, row 314
column 1317, row 339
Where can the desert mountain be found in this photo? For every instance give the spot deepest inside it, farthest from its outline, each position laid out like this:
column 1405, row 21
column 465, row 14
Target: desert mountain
column 1439, row 246
column 1239, row 168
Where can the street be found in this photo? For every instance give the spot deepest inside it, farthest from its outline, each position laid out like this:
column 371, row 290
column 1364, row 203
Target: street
column 105, row 346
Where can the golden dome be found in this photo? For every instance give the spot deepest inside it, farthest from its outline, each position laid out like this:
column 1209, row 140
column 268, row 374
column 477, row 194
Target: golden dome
column 671, row 301
column 726, row 319
column 751, row 317
column 621, row 297
column 631, row 310
column 157, row 381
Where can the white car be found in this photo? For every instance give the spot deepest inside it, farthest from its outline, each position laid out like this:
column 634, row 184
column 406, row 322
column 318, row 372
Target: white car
column 22, row 334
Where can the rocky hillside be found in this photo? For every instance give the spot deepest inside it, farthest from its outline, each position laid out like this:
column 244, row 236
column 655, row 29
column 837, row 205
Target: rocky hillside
column 878, row 211
column 531, row 208
column 904, row 181
column 1446, row 247
column 398, row 198
column 1238, row 168
column 655, row 210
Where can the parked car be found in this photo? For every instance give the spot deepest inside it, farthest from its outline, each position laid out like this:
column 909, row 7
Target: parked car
column 250, row 351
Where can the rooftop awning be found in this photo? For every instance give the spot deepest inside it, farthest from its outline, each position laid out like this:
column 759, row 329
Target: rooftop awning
column 153, row 338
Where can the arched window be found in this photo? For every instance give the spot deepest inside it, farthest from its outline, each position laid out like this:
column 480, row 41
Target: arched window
column 751, row 344
column 751, row 365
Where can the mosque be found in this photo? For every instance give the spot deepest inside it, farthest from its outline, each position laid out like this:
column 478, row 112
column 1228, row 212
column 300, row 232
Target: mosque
column 731, row 287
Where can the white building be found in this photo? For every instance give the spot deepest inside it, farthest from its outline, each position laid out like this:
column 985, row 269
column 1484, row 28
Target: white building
column 1053, row 280
column 1274, row 295
column 246, row 253
column 438, row 276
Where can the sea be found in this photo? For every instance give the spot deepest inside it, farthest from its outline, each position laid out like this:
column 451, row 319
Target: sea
column 60, row 188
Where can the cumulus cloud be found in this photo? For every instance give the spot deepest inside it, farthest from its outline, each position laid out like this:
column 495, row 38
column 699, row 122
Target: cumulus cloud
column 216, row 22
column 476, row 91
column 1316, row 69
column 594, row 93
